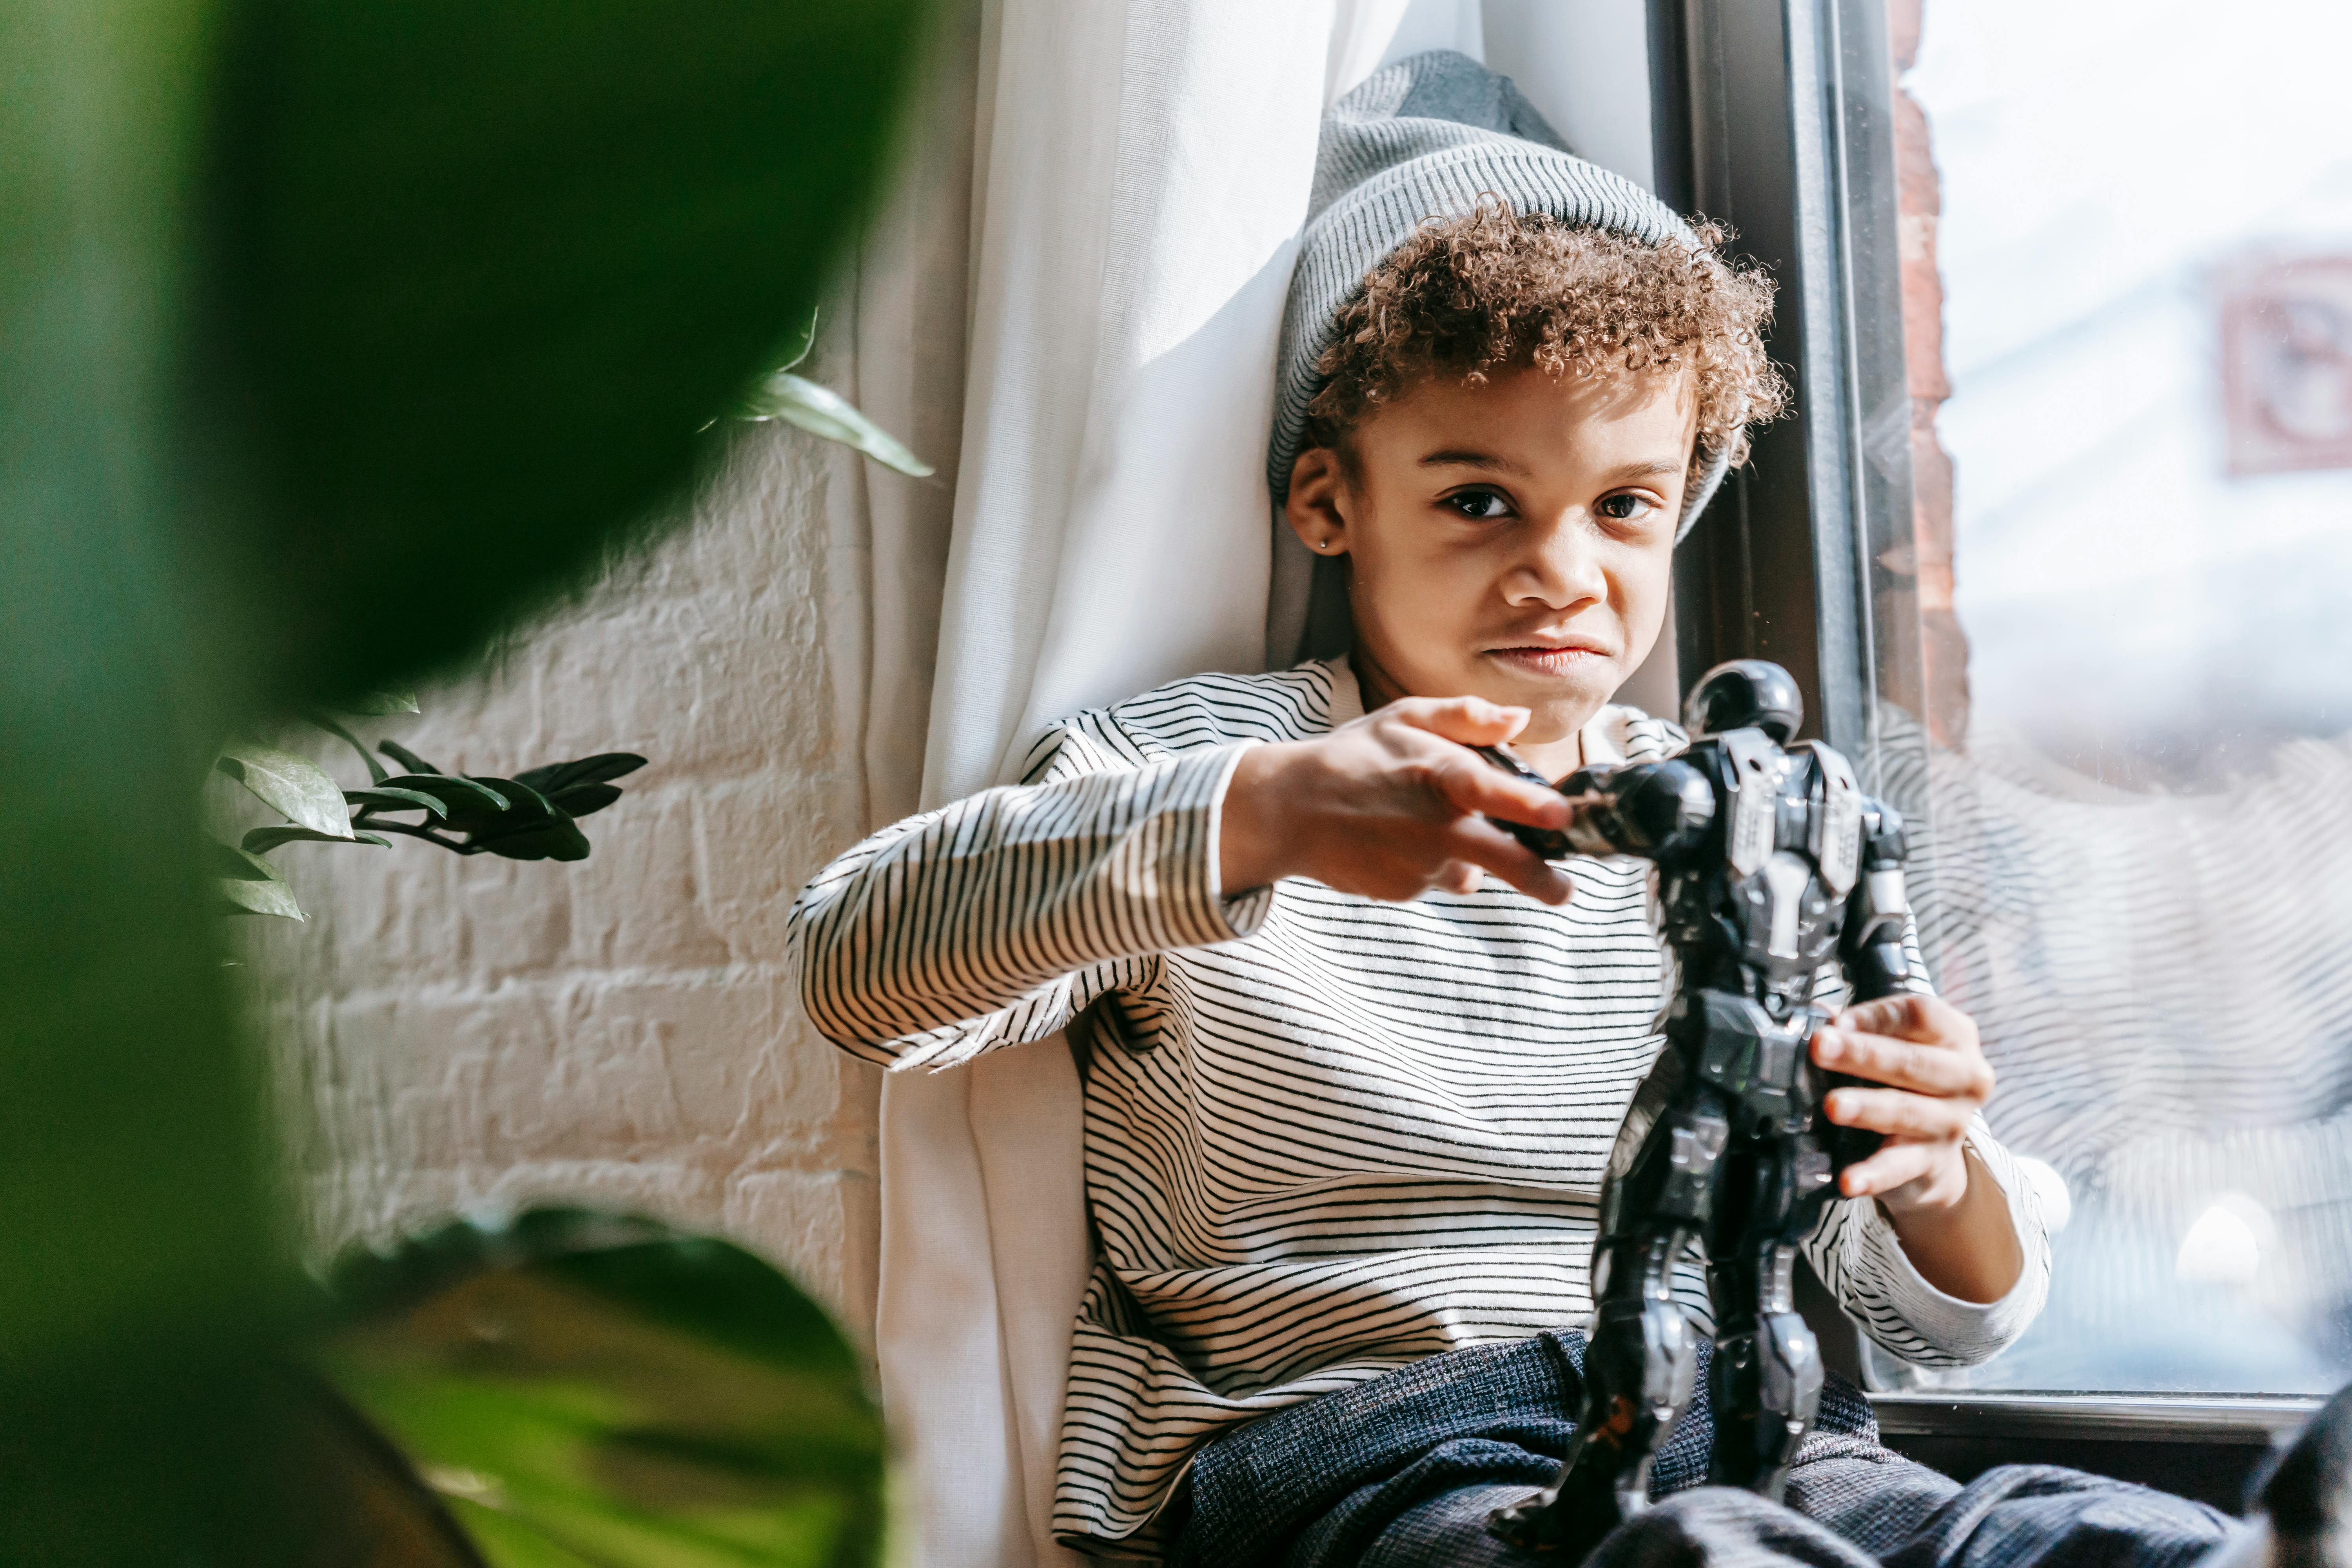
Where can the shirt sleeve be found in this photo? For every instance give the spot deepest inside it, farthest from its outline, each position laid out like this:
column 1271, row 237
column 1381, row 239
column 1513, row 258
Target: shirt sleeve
column 1856, row 1252
column 998, row 918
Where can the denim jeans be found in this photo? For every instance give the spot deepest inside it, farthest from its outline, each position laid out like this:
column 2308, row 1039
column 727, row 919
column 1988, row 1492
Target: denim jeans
column 1401, row 1472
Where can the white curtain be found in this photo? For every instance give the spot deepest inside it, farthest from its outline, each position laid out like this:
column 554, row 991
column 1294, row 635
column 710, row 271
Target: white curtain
column 1138, row 176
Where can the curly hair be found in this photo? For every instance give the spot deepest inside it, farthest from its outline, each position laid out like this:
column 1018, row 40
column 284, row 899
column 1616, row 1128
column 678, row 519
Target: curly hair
column 1493, row 288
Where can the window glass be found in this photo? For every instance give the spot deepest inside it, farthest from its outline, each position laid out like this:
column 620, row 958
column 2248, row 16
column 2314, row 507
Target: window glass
column 2138, row 867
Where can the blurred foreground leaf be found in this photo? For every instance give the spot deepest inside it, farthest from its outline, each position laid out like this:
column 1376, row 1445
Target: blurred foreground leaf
column 590, row 1388
column 486, row 267
column 334, row 334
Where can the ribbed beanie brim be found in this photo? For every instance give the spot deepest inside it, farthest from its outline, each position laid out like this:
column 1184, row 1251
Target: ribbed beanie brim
column 1429, row 137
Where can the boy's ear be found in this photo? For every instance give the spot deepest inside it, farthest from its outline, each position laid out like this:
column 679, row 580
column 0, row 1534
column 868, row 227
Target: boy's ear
column 1317, row 507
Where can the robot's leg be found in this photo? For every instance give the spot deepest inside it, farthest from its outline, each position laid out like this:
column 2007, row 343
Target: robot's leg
column 1640, row 1371
column 1767, row 1379
column 1641, row 1363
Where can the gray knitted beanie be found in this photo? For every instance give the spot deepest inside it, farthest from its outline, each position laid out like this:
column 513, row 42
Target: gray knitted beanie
column 1424, row 138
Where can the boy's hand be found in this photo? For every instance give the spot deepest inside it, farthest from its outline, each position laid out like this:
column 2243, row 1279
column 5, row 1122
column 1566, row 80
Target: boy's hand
column 1389, row 806
column 1925, row 1050
column 1949, row 1214
column 1946, row 1207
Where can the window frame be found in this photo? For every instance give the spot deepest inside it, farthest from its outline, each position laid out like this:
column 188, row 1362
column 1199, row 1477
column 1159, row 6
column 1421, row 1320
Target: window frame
column 1810, row 537
column 1776, row 117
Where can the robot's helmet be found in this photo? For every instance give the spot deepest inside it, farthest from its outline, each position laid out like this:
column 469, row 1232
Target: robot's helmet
column 1747, row 693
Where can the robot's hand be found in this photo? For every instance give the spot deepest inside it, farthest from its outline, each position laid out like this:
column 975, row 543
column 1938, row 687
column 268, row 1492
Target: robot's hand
column 1653, row 810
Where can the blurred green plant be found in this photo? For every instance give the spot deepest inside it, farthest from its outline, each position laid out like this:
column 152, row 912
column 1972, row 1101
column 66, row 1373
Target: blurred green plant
column 335, row 336
column 534, row 815
column 596, row 1389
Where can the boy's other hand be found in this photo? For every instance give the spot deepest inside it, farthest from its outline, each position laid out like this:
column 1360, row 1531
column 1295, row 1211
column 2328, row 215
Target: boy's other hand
column 1389, row 806
column 1949, row 1212
column 1925, row 1050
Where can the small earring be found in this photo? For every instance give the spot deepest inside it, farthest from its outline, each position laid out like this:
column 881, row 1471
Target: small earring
column 1322, row 544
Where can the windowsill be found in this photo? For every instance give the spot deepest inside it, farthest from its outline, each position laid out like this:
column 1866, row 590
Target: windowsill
column 2214, row 1448
column 2251, row 1419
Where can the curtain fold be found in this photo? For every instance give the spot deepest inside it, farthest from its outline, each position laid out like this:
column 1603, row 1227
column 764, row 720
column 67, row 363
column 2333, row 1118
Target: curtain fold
column 1138, row 176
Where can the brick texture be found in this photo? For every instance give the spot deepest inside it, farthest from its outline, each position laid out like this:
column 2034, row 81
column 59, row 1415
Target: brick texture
column 450, row 1033
column 1919, row 201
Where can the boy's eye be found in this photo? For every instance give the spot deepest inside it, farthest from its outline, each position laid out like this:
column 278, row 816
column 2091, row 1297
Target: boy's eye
column 1480, row 506
column 1626, row 508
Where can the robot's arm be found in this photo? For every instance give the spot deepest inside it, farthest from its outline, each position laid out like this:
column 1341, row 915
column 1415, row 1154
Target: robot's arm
column 1653, row 810
column 1877, row 910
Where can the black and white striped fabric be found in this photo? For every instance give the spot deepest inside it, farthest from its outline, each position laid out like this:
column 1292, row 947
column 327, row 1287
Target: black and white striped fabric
column 1325, row 1136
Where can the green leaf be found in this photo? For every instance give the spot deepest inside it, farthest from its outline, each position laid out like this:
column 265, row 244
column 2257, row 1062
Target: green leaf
column 141, row 1299
column 442, row 291
column 584, row 799
column 388, row 798
column 339, row 1460
column 262, row 840
column 386, row 700
column 464, row 802
column 530, row 828
column 251, row 885
column 554, row 777
column 580, row 787
column 493, row 266
column 642, row 1396
column 327, row 722
column 556, row 839
column 822, row 412
column 406, row 759
column 295, row 787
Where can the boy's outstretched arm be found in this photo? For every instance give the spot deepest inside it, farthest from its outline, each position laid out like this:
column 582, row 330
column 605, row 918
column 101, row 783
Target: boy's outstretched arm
column 1391, row 807
column 999, row 917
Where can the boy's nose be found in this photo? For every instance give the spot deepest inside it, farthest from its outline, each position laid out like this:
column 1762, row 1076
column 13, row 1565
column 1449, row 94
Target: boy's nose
column 1561, row 570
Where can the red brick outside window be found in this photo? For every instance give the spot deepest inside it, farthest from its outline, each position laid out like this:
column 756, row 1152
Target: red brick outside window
column 1918, row 199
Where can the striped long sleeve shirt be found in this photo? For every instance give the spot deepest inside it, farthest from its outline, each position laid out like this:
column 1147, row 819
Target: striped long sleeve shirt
column 1325, row 1136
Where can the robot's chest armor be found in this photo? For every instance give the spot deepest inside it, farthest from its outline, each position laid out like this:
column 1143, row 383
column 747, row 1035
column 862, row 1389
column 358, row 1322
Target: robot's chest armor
column 1792, row 841
column 1786, row 919
column 1804, row 800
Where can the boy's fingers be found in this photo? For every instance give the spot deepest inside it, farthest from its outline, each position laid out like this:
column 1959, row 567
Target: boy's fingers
column 1894, row 1165
column 1469, row 721
column 1483, row 844
column 1924, row 1070
column 1930, row 1020
column 1897, row 1113
column 1472, row 784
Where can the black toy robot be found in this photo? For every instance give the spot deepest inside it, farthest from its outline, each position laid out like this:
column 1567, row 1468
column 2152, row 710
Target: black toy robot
column 1771, row 863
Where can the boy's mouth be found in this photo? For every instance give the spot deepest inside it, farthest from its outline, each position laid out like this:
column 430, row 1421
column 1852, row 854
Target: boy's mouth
column 1541, row 658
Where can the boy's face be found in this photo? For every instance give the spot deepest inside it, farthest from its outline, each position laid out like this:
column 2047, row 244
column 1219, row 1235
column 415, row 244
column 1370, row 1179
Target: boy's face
column 1512, row 540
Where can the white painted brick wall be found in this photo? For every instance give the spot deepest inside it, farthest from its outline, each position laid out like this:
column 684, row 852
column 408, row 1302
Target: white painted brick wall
column 447, row 1032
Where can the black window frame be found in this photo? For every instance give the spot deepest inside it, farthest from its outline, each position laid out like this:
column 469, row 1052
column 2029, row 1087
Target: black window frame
column 1775, row 117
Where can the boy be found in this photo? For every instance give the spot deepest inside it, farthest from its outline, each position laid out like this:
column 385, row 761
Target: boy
column 1354, row 1058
